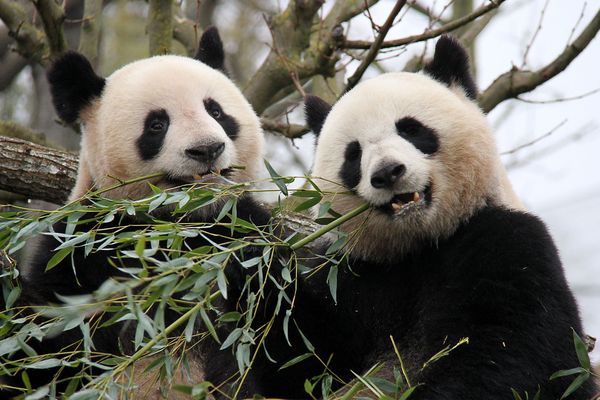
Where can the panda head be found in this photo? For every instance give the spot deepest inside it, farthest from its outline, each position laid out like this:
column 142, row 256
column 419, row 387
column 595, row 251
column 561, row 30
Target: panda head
column 415, row 147
column 178, row 116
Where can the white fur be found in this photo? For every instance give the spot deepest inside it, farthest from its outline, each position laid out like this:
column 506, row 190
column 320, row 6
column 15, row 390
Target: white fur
column 113, row 123
column 466, row 171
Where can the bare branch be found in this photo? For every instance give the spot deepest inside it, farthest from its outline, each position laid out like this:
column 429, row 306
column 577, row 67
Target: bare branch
column 290, row 131
column 160, row 26
column 450, row 26
column 30, row 41
column 426, row 11
column 514, row 82
column 12, row 64
column 186, row 32
column 374, row 50
column 559, row 99
column 52, row 16
column 534, row 141
column 36, row 171
column 90, row 30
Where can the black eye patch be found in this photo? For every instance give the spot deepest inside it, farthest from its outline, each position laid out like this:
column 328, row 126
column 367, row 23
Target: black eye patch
column 156, row 126
column 227, row 122
column 350, row 172
column 422, row 137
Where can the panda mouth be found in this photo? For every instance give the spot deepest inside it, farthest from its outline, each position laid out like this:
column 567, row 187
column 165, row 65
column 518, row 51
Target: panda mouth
column 403, row 203
column 210, row 176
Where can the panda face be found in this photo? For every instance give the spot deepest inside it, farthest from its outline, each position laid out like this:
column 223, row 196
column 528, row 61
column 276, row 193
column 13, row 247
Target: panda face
column 170, row 115
column 420, row 153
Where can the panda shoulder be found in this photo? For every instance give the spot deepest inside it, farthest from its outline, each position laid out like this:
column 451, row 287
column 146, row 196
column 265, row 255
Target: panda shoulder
column 510, row 239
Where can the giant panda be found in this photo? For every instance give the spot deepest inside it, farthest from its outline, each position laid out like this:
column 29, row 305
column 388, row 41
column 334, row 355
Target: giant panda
column 444, row 251
column 176, row 116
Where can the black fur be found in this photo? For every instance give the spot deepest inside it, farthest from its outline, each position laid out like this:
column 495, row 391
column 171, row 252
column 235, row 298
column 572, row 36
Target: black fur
column 422, row 137
column 450, row 65
column 315, row 110
column 227, row 122
column 210, row 49
column 350, row 172
column 73, row 85
column 498, row 281
column 156, row 126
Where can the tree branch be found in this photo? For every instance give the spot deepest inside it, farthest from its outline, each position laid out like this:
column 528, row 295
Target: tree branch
column 160, row 26
column 514, row 82
column 52, row 16
column 376, row 46
column 186, row 32
column 450, row 26
column 36, row 171
column 90, row 30
column 290, row 131
column 30, row 41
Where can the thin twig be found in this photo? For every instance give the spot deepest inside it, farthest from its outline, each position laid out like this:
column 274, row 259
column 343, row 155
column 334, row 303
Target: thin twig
column 534, row 141
column 535, row 34
column 376, row 46
column 558, row 100
column 363, row 44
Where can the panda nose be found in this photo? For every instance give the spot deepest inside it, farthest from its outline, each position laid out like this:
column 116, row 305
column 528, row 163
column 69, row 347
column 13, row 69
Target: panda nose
column 206, row 153
column 384, row 178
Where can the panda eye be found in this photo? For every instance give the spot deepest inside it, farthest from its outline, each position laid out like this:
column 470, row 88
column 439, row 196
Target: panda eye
column 214, row 109
column 216, row 113
column 157, row 126
column 157, row 122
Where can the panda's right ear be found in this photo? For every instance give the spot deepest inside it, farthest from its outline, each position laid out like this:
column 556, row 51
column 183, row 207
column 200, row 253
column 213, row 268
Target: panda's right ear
column 73, row 85
column 210, row 49
column 315, row 111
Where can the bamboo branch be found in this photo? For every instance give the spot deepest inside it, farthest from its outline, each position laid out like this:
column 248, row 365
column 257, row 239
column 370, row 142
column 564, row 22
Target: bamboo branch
column 376, row 46
column 90, row 30
column 52, row 16
column 514, row 82
column 30, row 41
column 36, row 171
column 450, row 26
column 160, row 26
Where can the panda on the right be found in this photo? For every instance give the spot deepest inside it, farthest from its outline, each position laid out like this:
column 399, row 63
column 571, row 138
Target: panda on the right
column 444, row 253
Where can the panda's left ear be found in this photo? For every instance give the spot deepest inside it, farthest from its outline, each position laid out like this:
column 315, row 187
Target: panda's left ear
column 210, row 49
column 73, row 85
column 450, row 65
column 315, row 111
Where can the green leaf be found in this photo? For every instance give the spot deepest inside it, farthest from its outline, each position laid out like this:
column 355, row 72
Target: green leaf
column 307, row 204
column 582, row 353
column 45, row 364
column 406, row 394
column 577, row 382
column 209, row 326
column 567, row 372
column 154, row 204
column 190, row 327
column 295, row 360
column 332, row 282
column 232, row 316
column 58, row 257
column 12, row 296
column 516, row 394
column 231, row 338
column 277, row 179
column 222, row 283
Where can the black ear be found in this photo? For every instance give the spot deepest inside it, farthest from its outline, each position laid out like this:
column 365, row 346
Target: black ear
column 315, row 112
column 210, row 49
column 450, row 65
column 73, row 85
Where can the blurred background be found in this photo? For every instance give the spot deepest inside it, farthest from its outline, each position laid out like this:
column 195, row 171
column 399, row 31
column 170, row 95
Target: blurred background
column 549, row 137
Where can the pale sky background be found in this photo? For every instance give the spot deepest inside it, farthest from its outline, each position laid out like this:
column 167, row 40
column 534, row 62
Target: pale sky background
column 562, row 185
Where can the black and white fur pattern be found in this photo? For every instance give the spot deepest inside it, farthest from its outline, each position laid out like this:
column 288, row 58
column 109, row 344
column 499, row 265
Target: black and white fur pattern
column 456, row 260
column 167, row 114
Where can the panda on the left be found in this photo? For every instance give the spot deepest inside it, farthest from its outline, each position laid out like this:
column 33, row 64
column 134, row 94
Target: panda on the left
column 171, row 115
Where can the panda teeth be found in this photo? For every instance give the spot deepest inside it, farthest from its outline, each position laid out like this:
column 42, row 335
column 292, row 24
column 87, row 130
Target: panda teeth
column 416, row 197
column 397, row 206
column 197, row 177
